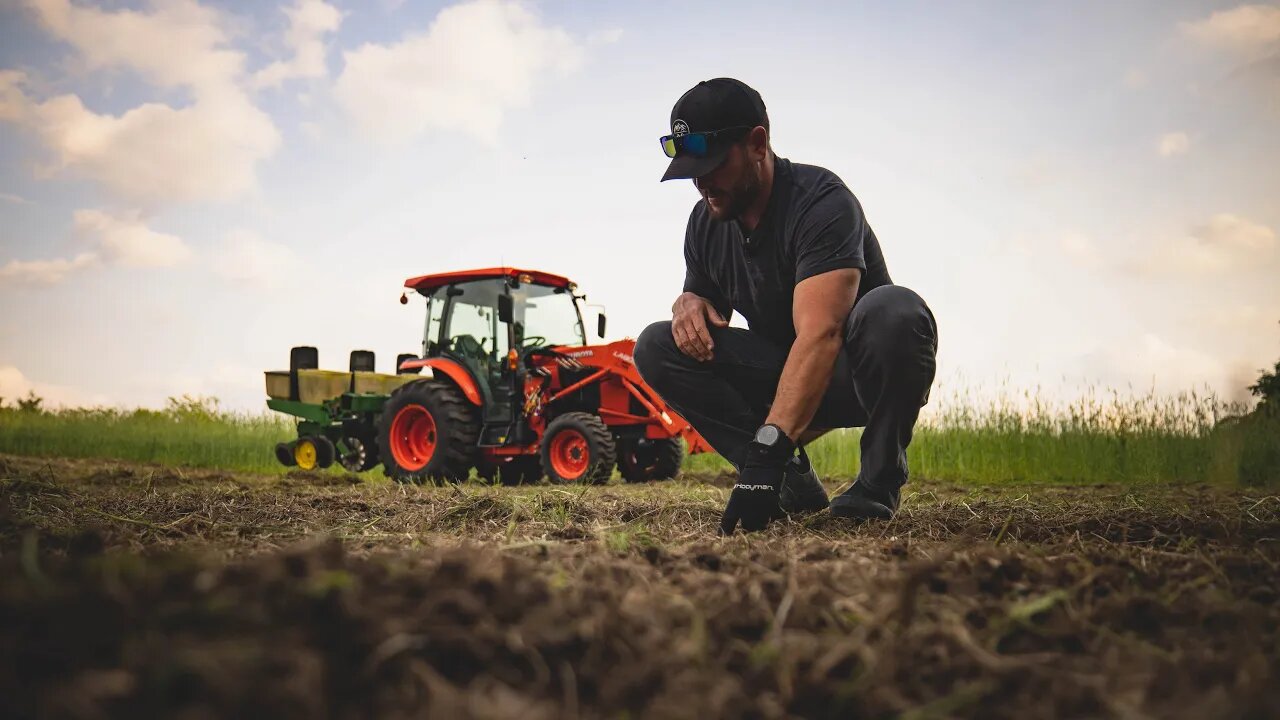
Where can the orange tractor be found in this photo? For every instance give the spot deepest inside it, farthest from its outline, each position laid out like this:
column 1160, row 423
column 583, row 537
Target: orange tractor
column 508, row 386
column 517, row 393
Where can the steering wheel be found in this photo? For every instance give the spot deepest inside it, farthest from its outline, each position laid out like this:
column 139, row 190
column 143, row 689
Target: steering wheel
column 530, row 341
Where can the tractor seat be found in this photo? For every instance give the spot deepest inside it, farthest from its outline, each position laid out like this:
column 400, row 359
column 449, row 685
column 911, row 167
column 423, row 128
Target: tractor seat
column 471, row 349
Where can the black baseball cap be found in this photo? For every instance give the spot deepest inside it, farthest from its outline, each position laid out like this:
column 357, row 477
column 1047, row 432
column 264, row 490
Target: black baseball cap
column 710, row 105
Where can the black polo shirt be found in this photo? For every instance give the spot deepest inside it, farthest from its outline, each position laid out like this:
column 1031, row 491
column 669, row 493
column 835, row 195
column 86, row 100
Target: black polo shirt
column 813, row 225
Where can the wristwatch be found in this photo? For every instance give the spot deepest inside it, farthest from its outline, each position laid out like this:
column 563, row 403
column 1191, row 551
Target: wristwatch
column 772, row 438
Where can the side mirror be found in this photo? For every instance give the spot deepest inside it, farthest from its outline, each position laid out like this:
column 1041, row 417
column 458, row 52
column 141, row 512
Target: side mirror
column 600, row 323
column 506, row 309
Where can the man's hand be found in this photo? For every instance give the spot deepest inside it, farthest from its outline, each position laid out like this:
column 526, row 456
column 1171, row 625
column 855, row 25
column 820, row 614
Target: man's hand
column 754, row 501
column 690, row 316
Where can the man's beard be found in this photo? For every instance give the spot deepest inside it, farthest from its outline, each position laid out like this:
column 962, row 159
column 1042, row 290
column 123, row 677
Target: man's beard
column 741, row 194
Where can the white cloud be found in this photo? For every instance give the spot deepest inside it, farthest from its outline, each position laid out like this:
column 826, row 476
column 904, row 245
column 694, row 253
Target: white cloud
column 124, row 241
column 15, row 199
column 1174, row 143
column 1135, row 78
column 1225, row 243
column 1233, row 233
column 247, row 259
column 129, row 242
column 1248, row 30
column 1156, row 357
column 14, row 385
column 45, row 272
column 477, row 61
column 1154, row 363
column 153, row 153
column 309, row 22
column 179, row 43
column 14, row 106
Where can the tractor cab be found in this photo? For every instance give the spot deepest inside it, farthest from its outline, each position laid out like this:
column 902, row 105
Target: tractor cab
column 487, row 321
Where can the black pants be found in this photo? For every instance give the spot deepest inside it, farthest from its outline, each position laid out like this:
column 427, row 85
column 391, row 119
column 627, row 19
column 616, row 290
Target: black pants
column 881, row 379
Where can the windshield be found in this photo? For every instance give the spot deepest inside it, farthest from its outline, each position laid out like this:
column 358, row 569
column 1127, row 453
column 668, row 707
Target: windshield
column 542, row 316
column 546, row 312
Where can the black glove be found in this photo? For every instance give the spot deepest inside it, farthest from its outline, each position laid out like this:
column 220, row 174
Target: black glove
column 754, row 500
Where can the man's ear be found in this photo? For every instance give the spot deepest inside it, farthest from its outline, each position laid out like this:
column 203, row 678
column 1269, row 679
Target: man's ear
column 758, row 143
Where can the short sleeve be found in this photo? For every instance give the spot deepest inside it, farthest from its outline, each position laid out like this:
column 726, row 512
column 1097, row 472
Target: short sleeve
column 829, row 234
column 697, row 275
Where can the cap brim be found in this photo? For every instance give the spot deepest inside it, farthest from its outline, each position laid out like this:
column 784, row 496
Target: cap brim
column 688, row 166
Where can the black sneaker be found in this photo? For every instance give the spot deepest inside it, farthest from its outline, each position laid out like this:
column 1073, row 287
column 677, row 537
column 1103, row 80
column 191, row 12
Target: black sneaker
column 864, row 502
column 801, row 491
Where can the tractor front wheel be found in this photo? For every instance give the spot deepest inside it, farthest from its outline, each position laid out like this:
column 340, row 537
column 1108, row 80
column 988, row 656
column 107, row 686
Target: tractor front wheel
column 643, row 459
column 578, row 448
column 427, row 431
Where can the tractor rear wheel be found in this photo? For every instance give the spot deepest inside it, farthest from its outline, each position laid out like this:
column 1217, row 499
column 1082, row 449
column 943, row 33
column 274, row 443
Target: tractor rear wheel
column 643, row 459
column 427, row 431
column 578, row 448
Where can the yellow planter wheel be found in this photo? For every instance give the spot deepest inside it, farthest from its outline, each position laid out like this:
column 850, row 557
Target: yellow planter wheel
column 304, row 454
column 314, row 452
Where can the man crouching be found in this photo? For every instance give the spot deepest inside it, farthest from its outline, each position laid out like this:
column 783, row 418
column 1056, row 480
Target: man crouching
column 832, row 341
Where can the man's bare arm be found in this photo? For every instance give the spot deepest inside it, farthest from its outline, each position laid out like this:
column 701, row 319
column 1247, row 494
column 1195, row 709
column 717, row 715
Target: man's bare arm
column 820, row 306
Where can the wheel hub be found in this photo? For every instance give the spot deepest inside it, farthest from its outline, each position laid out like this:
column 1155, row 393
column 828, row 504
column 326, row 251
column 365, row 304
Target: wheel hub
column 304, row 454
column 570, row 454
column 413, row 437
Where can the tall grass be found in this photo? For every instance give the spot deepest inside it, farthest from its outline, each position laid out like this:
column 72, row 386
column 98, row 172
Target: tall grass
column 189, row 432
column 1099, row 438
column 1096, row 438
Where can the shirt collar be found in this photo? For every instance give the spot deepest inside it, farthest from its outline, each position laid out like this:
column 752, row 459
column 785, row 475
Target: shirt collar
column 778, row 198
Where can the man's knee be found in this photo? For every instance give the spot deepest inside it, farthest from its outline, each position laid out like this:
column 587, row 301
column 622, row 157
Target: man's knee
column 892, row 318
column 653, row 346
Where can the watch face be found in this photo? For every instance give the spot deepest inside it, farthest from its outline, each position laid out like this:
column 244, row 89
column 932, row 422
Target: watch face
column 767, row 435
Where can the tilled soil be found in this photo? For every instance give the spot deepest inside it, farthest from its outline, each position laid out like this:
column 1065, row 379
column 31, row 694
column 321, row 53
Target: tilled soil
column 144, row 591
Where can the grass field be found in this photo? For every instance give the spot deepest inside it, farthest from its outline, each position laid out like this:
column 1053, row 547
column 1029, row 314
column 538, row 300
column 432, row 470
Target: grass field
column 1101, row 439
column 144, row 590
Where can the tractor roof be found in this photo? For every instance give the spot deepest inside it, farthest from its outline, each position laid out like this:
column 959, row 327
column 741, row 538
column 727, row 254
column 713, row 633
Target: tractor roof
column 427, row 283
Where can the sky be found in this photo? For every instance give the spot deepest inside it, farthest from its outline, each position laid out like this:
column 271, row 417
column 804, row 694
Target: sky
column 1086, row 194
